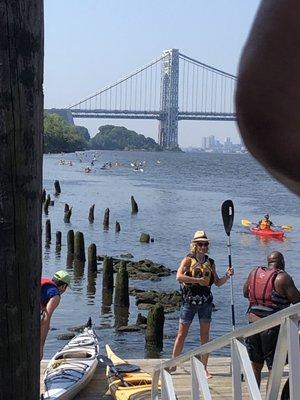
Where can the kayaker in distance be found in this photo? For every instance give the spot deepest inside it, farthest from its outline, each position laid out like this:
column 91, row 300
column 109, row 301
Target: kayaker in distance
column 265, row 223
column 269, row 289
column 51, row 290
column 197, row 273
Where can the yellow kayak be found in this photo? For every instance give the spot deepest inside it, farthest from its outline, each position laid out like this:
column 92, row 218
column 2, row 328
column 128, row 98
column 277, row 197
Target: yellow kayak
column 128, row 385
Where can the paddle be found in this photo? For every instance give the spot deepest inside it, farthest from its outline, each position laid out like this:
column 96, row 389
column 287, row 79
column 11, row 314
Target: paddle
column 228, row 216
column 113, row 369
column 246, row 222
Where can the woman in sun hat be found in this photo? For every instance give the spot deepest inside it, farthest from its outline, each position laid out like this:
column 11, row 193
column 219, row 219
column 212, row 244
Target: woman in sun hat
column 51, row 290
column 196, row 274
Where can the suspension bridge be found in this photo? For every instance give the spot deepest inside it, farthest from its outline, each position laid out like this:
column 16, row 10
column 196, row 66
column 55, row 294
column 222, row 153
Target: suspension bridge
column 172, row 88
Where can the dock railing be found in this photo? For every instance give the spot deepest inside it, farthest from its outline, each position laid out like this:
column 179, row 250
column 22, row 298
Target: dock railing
column 287, row 344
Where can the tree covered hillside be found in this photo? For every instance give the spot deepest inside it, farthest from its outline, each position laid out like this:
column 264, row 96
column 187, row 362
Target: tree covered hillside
column 112, row 137
column 59, row 135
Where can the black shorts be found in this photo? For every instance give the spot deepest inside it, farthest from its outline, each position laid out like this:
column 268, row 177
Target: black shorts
column 261, row 347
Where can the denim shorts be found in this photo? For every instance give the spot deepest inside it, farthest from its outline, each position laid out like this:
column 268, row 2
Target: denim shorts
column 188, row 311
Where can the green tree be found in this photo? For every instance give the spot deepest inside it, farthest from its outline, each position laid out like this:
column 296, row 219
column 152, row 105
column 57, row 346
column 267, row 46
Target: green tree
column 59, row 135
column 110, row 137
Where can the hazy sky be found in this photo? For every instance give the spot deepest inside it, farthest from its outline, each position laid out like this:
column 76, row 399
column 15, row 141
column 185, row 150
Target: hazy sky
column 92, row 43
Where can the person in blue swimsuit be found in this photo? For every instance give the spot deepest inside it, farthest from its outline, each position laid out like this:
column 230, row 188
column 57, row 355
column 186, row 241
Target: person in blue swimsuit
column 51, row 290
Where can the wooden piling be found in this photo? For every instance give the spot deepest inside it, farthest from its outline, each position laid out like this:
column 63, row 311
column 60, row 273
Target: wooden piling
column 58, row 239
column 118, row 227
column 79, row 251
column 106, row 219
column 67, row 208
column 134, row 206
column 92, row 257
column 155, row 327
column 91, row 214
column 43, row 196
column 121, row 297
column 57, row 188
column 48, row 231
column 70, row 241
column 47, row 203
column 67, row 215
column 108, row 274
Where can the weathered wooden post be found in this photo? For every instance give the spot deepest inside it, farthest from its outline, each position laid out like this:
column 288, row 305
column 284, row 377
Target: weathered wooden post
column 92, row 257
column 58, row 239
column 118, row 227
column 57, row 188
column 121, row 297
column 106, row 219
column 91, row 213
column 79, row 251
column 67, row 215
column 155, row 327
column 134, row 206
column 21, row 127
column 43, row 196
column 108, row 274
column 70, row 241
column 47, row 204
column 48, row 231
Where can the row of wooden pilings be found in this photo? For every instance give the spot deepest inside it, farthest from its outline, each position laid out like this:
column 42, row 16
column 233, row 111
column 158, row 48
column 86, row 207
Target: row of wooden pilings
column 118, row 289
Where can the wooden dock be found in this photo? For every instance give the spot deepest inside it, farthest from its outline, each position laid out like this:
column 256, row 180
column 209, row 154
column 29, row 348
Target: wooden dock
column 220, row 384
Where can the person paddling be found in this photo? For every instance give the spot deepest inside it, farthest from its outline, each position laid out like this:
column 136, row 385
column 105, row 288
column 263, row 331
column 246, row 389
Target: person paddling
column 265, row 223
column 51, row 290
column 268, row 289
column 196, row 274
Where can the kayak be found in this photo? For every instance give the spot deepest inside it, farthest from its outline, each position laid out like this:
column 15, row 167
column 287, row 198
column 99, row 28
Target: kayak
column 267, row 232
column 132, row 385
column 72, row 368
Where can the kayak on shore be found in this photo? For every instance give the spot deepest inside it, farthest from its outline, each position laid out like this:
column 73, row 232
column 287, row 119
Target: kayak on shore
column 267, row 232
column 72, row 367
column 127, row 385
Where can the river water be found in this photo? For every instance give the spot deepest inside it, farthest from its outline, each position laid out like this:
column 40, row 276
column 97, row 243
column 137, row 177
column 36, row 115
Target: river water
column 177, row 196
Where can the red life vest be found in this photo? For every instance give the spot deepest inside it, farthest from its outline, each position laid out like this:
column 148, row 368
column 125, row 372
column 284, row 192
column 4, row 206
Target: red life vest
column 46, row 281
column 261, row 287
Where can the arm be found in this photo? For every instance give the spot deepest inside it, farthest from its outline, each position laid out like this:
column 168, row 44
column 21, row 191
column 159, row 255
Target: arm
column 268, row 90
column 45, row 322
column 246, row 288
column 220, row 281
column 183, row 268
column 285, row 286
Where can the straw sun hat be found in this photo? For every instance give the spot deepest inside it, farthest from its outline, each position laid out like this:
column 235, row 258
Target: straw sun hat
column 200, row 236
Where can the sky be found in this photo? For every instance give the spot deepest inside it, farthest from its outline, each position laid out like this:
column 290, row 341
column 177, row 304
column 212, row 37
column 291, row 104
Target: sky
column 92, row 43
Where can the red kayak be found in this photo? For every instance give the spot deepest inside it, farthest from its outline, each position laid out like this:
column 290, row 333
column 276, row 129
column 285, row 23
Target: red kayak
column 267, row 232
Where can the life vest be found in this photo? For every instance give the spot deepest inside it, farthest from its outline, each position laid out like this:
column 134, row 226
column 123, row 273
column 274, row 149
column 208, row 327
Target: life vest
column 262, row 290
column 46, row 281
column 199, row 292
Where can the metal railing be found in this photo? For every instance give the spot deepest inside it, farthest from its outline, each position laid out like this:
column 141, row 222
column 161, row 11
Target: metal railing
column 287, row 344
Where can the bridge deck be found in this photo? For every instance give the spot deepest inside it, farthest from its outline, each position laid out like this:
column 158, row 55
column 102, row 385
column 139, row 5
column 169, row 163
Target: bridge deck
column 220, row 384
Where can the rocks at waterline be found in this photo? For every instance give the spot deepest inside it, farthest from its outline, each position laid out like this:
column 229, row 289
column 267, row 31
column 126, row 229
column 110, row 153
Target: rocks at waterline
column 141, row 270
column 171, row 301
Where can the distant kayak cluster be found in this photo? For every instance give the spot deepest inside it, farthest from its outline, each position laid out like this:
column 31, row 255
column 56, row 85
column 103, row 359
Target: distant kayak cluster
column 135, row 165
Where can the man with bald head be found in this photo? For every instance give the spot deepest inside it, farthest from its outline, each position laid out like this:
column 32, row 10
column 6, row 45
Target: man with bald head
column 269, row 289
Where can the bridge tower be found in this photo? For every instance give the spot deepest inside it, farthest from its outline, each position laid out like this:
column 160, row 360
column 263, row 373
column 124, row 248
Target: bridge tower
column 168, row 124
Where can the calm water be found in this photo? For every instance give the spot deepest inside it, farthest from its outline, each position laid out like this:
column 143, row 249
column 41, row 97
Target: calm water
column 180, row 195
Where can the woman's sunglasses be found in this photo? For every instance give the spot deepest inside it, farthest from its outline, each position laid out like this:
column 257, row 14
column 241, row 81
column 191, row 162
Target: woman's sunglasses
column 202, row 244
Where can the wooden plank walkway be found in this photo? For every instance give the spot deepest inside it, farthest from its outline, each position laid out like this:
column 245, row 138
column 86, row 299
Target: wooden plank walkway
column 220, row 384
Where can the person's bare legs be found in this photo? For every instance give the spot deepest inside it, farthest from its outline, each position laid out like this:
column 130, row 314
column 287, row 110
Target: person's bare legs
column 257, row 367
column 204, row 338
column 179, row 341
